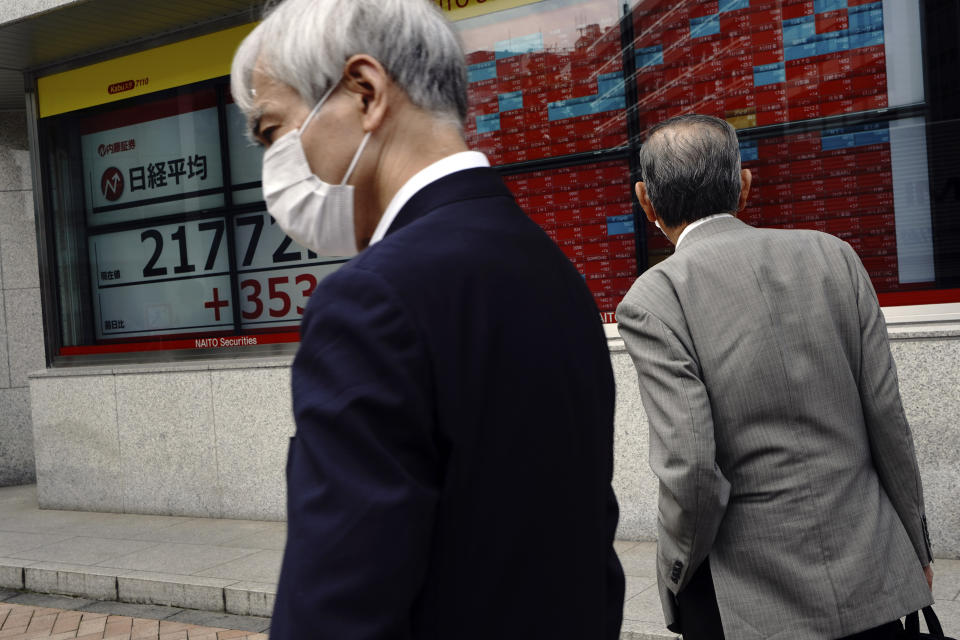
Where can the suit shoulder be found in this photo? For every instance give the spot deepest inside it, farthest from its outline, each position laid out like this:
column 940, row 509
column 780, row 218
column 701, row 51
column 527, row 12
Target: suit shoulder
column 353, row 282
column 652, row 290
column 805, row 236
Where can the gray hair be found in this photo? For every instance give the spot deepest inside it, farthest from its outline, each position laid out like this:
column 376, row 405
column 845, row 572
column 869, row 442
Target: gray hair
column 305, row 43
column 690, row 165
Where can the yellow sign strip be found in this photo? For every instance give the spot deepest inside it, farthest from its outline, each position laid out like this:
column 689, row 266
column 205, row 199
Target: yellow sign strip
column 165, row 67
column 182, row 63
column 463, row 9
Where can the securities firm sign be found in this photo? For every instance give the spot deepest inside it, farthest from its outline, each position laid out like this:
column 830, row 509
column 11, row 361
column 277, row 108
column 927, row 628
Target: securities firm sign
column 462, row 9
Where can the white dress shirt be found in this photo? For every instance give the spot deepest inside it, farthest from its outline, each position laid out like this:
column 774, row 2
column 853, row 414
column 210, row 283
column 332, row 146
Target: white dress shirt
column 432, row 173
column 696, row 223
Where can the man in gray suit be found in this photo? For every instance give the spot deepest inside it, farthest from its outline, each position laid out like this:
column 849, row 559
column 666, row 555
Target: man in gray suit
column 790, row 501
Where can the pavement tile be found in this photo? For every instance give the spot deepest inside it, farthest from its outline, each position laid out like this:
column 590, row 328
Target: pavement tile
column 42, row 623
column 262, row 566
column 143, row 629
column 645, row 607
column 946, row 580
column 637, row 630
column 48, row 521
column 151, row 611
column 222, row 620
column 83, row 550
column 177, row 558
column 67, row 621
column 125, row 526
column 92, row 624
column 640, row 560
column 272, row 536
column 48, row 601
column 12, row 542
column 637, row 584
column 208, row 531
column 622, row 546
column 117, row 625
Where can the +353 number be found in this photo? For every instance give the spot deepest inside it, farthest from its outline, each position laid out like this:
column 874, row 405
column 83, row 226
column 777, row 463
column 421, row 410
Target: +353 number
column 280, row 255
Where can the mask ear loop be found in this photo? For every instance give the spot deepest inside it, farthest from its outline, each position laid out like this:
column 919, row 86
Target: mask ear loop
column 356, row 158
column 313, row 111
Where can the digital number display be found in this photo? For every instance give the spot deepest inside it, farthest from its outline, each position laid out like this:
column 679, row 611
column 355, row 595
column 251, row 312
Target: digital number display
column 172, row 278
column 276, row 275
column 175, row 278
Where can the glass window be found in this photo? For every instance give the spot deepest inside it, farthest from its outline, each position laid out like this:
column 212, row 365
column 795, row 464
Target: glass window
column 846, row 111
column 830, row 99
column 162, row 239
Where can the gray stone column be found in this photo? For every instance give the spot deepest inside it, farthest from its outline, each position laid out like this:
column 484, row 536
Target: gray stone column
column 21, row 322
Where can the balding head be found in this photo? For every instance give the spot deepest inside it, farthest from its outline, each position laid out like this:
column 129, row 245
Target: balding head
column 690, row 166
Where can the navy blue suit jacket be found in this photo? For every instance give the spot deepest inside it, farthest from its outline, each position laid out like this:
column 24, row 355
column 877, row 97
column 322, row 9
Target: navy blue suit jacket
column 450, row 477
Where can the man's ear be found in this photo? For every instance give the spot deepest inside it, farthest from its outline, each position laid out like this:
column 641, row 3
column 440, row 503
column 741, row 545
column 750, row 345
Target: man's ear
column 746, row 179
column 645, row 204
column 369, row 84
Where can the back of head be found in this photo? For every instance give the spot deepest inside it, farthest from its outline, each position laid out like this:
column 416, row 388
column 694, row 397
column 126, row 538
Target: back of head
column 305, row 43
column 691, row 168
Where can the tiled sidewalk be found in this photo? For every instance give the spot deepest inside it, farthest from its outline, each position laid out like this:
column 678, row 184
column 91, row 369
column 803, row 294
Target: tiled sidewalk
column 19, row 622
column 169, row 566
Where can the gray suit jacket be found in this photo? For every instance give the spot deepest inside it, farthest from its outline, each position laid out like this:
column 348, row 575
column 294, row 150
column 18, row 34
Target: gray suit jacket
column 777, row 433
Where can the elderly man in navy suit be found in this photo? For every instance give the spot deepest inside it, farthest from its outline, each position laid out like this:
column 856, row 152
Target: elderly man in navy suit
column 453, row 394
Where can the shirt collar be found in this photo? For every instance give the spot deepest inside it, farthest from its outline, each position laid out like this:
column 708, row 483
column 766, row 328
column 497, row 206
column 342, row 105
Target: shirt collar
column 696, row 223
column 439, row 169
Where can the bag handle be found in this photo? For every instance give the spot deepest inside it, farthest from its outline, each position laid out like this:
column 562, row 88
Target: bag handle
column 933, row 623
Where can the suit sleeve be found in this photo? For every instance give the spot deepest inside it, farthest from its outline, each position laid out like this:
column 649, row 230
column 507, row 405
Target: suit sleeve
column 363, row 472
column 891, row 443
column 693, row 492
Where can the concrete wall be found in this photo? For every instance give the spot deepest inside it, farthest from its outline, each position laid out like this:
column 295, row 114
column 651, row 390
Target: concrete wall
column 211, row 439
column 21, row 333
column 207, row 440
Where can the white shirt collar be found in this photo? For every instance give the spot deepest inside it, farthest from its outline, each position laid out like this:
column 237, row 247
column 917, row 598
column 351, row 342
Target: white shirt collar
column 696, row 223
column 432, row 173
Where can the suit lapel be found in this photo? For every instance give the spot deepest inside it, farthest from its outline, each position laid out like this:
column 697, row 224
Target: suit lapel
column 468, row 184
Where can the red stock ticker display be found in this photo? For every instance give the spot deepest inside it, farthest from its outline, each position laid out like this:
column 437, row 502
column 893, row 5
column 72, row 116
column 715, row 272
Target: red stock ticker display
column 551, row 83
column 759, row 62
column 586, row 209
column 835, row 180
column 770, row 62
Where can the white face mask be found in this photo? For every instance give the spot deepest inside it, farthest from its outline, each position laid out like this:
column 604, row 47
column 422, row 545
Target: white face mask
column 316, row 214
